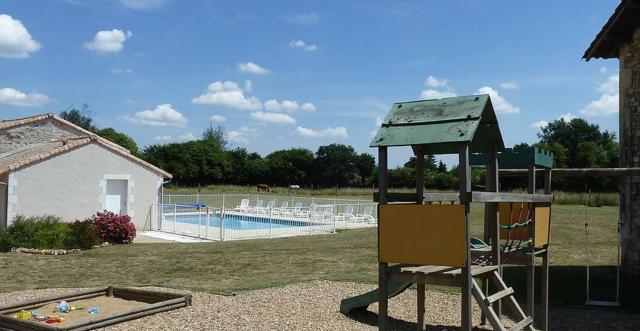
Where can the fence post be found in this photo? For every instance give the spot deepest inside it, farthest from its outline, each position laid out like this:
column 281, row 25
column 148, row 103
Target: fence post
column 222, row 234
column 223, row 200
column 175, row 217
column 270, row 223
column 208, row 220
column 199, row 221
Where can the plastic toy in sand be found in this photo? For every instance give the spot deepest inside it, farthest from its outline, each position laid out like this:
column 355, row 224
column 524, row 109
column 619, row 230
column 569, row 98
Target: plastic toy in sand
column 94, row 310
column 54, row 319
column 65, row 307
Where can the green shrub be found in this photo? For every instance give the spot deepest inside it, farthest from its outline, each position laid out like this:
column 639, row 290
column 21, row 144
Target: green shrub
column 83, row 235
column 43, row 232
column 56, row 236
column 5, row 241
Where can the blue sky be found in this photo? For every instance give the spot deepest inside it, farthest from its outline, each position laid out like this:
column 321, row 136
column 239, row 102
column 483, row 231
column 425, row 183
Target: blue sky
column 280, row 74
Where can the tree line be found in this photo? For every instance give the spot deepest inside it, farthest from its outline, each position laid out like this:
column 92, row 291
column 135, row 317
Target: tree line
column 575, row 143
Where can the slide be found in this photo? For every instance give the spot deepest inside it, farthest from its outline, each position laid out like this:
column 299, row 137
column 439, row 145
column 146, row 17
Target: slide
column 362, row 301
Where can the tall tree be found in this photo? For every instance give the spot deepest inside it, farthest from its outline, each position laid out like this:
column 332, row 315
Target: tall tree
column 119, row 138
column 217, row 136
column 81, row 117
column 570, row 134
column 335, row 164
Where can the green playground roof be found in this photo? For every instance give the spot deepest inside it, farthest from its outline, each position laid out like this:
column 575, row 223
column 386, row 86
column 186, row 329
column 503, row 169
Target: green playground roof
column 510, row 159
column 439, row 126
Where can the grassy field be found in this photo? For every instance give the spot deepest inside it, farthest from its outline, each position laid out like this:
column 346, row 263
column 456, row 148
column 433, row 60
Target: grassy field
column 561, row 198
column 246, row 265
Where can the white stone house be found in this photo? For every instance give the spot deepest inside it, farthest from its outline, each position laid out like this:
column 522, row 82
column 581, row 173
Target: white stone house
column 51, row 166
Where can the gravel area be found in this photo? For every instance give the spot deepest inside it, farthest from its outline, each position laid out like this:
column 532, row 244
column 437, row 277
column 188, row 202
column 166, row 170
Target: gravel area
column 315, row 305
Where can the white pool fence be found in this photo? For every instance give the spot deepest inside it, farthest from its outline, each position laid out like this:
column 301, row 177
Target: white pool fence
column 247, row 216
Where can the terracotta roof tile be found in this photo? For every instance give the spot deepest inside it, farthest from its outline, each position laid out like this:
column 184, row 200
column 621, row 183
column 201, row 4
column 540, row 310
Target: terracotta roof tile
column 39, row 152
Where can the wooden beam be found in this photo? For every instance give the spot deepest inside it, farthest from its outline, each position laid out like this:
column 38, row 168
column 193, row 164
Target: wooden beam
column 383, row 275
column 419, row 175
column 467, row 279
column 507, row 197
column 577, row 172
column 531, row 176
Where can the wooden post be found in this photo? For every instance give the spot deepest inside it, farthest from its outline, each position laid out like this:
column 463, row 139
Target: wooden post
column 543, row 323
column 419, row 152
column 531, row 264
column 383, row 276
column 467, row 281
column 421, row 304
column 419, row 175
column 492, row 225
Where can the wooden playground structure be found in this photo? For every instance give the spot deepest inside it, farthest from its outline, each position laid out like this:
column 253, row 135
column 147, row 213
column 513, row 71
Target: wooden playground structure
column 425, row 238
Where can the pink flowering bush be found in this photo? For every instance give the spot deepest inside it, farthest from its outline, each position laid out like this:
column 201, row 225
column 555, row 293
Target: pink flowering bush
column 113, row 228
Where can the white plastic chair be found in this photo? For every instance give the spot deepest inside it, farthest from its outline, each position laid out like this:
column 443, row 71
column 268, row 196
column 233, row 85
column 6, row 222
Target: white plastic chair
column 366, row 215
column 244, row 206
column 347, row 215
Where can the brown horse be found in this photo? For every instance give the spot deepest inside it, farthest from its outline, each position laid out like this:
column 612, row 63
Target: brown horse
column 263, row 187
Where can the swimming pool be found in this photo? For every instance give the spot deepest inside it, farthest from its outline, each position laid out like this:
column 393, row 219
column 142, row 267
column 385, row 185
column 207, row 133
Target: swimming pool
column 235, row 222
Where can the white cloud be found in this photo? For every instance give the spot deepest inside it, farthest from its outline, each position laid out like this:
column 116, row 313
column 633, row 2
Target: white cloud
column 162, row 116
column 301, row 44
column 308, row 107
column 337, row 132
column 511, row 85
column 434, row 94
column 15, row 40
column 242, row 135
column 252, row 68
column 228, row 94
column 288, row 106
column 433, row 81
column 606, row 105
column 187, row 137
column 302, row 19
column 164, row 138
column 500, row 104
column 275, row 118
column 608, row 102
column 106, row 41
column 566, row 117
column 121, row 71
column 610, row 86
column 143, row 4
column 217, row 119
column 603, row 70
column 539, row 124
column 13, row 97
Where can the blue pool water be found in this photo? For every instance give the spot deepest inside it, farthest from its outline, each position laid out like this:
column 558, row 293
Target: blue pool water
column 235, row 222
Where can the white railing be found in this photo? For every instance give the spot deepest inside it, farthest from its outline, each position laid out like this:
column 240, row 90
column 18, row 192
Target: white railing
column 246, row 216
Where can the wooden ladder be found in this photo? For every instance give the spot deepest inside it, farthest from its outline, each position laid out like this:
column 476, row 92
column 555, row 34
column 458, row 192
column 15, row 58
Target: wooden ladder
column 503, row 292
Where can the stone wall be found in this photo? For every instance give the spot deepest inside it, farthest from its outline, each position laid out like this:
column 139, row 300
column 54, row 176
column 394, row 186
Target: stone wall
column 630, row 156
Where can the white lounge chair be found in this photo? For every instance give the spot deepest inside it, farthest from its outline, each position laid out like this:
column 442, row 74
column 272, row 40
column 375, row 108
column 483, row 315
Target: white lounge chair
column 256, row 208
column 366, row 215
column 327, row 213
column 267, row 209
column 347, row 215
column 312, row 212
column 296, row 211
column 243, row 207
column 282, row 210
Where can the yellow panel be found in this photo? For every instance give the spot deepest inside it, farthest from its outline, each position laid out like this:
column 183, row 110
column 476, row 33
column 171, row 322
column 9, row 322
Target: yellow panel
column 543, row 225
column 422, row 234
column 511, row 213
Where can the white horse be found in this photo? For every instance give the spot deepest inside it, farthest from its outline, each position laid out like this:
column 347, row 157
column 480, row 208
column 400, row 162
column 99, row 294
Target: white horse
column 293, row 189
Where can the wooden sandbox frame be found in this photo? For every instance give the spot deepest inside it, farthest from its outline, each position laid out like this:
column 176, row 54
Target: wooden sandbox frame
column 157, row 302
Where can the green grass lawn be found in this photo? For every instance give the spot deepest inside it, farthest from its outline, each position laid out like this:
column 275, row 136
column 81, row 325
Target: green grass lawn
column 348, row 255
